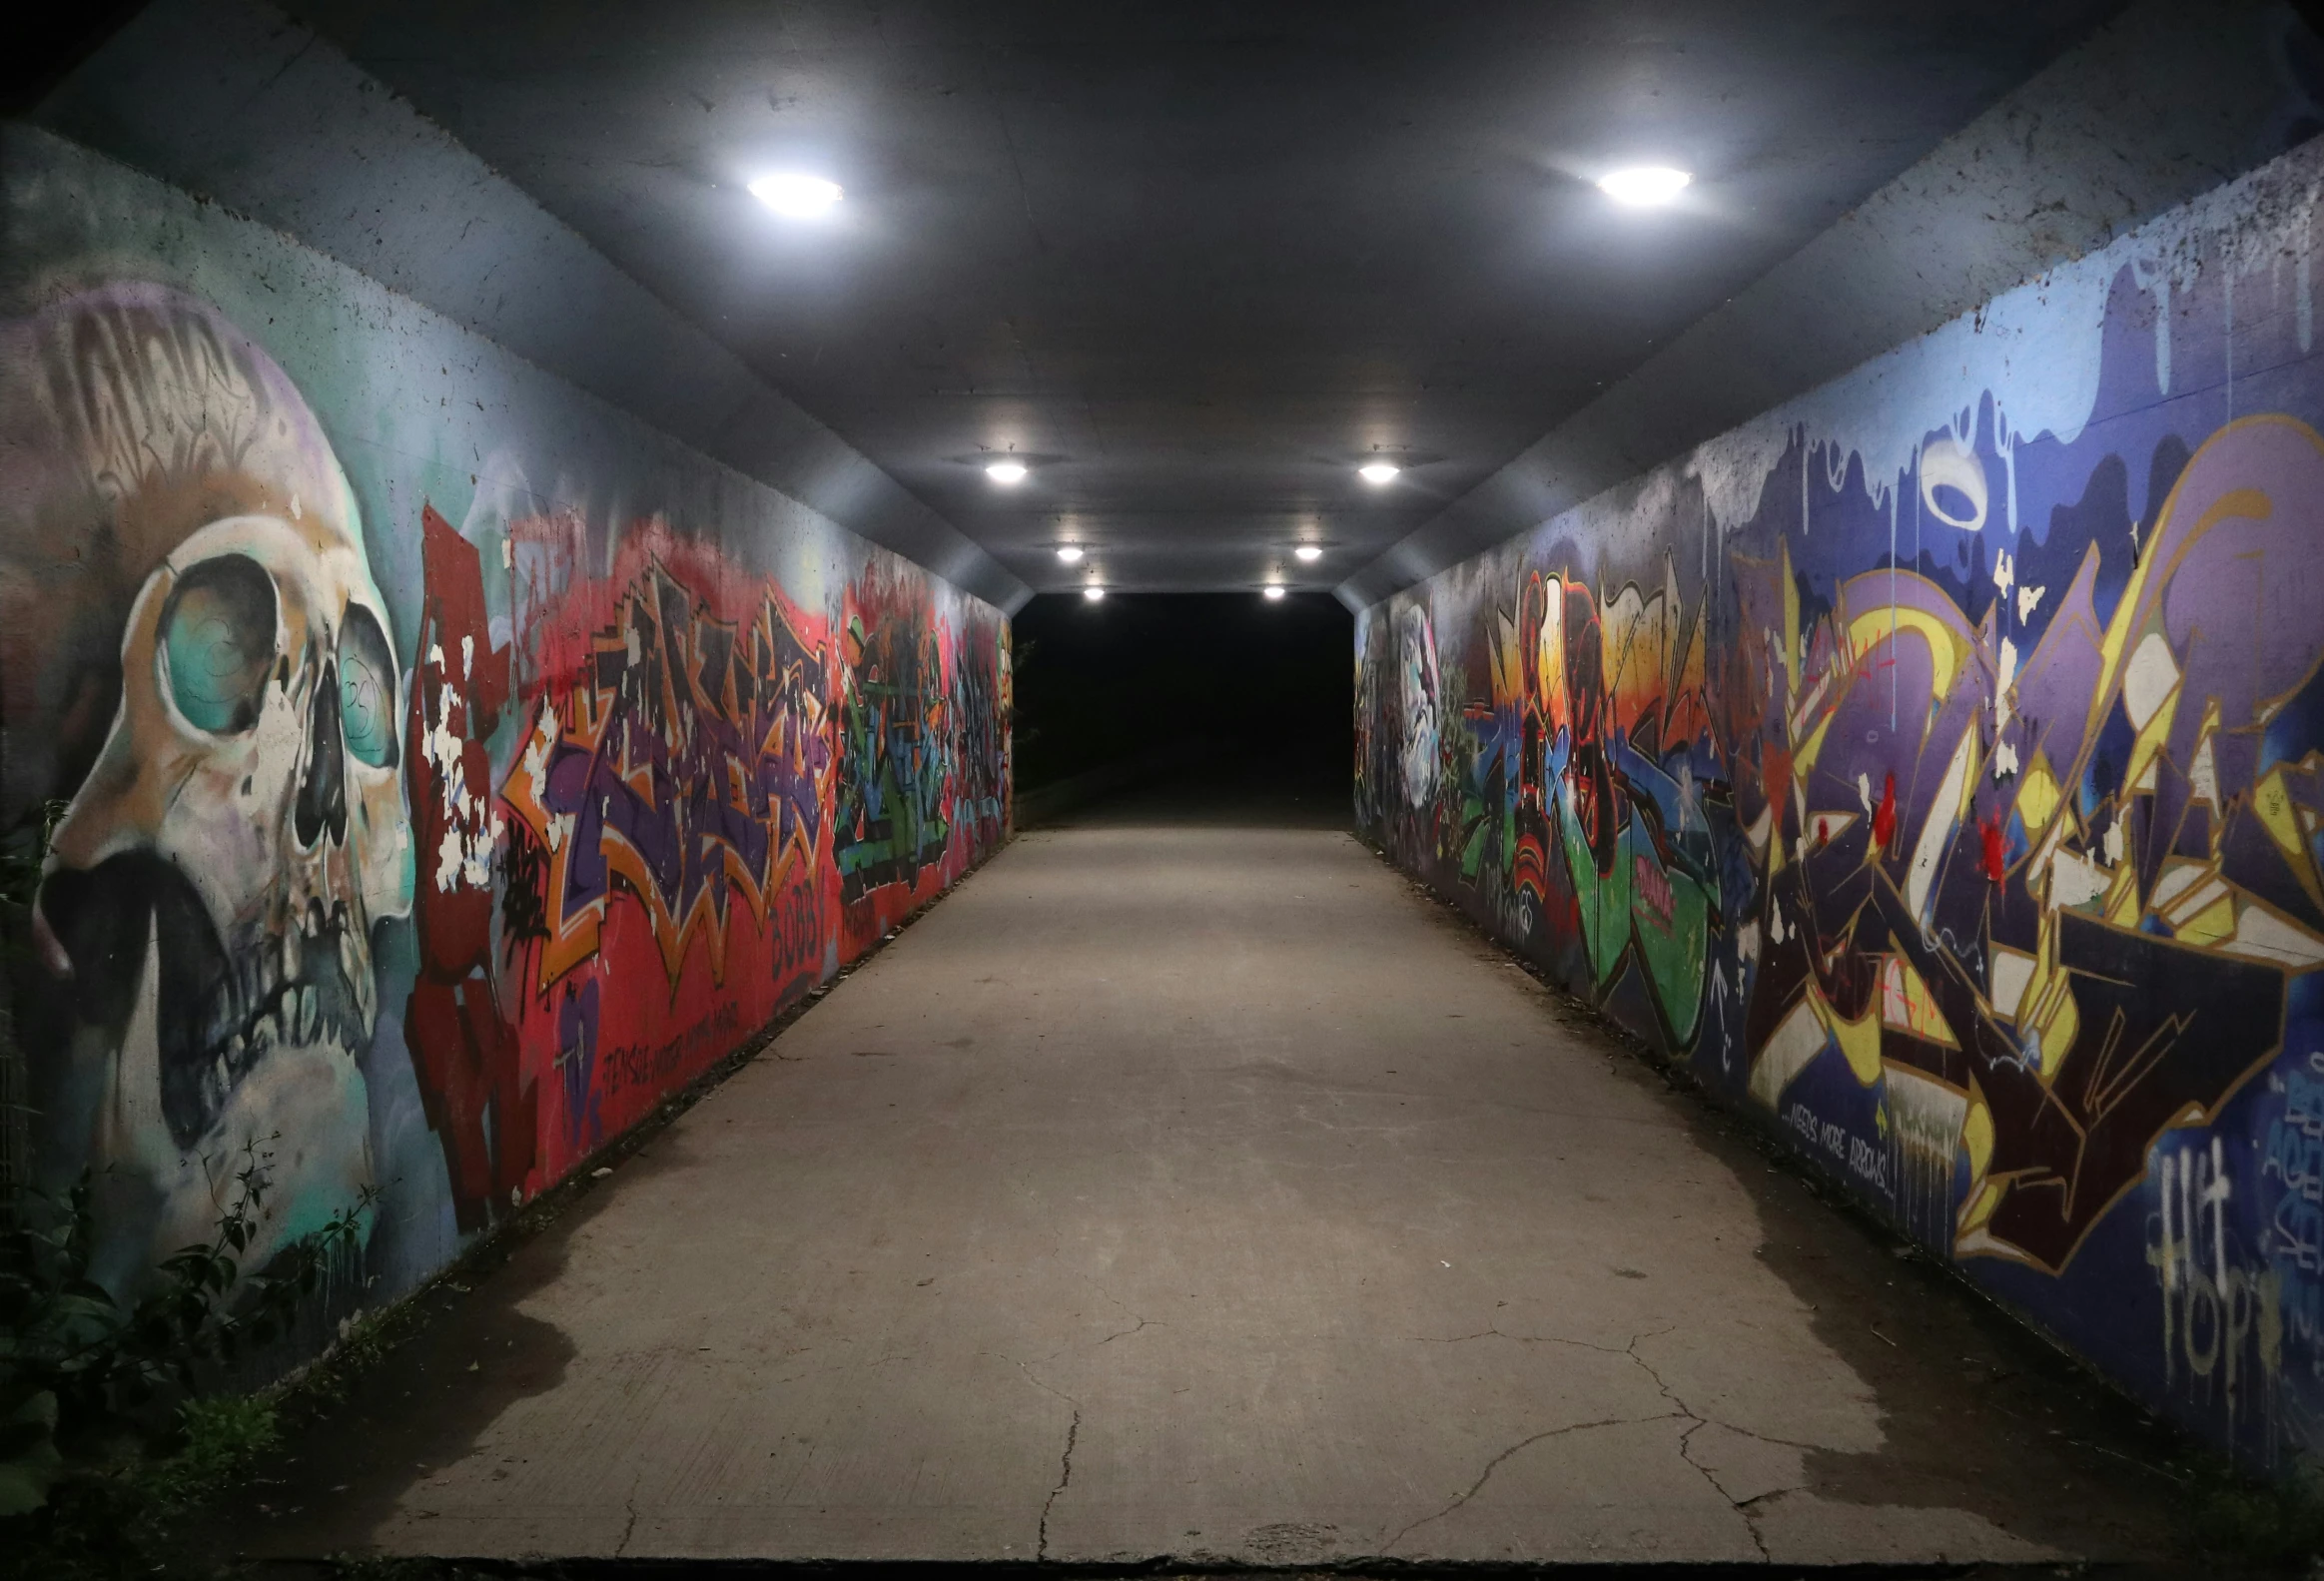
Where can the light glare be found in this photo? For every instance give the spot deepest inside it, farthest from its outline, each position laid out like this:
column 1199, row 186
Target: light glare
column 795, row 196
column 1378, row 472
column 1308, row 553
column 1274, row 591
column 1643, row 186
column 1006, row 473
column 1070, row 554
column 1093, row 594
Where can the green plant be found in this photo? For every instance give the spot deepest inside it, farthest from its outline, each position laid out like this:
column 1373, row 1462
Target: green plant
column 217, row 1436
column 89, row 1382
column 25, row 852
column 2275, row 1523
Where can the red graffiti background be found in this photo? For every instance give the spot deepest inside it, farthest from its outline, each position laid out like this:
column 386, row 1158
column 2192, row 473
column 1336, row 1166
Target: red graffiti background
column 673, row 803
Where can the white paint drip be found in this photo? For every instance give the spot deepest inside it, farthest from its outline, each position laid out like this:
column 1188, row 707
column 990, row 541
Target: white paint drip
column 2303, row 300
column 2034, row 351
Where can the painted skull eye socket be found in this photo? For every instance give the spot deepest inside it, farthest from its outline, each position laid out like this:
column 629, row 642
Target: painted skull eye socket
column 218, row 644
column 366, row 689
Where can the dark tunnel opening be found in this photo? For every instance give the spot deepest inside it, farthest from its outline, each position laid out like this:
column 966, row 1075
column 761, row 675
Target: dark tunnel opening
column 1229, row 702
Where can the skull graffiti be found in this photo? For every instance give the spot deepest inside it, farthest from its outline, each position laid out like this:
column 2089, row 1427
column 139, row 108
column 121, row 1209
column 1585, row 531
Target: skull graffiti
column 212, row 889
column 1416, row 645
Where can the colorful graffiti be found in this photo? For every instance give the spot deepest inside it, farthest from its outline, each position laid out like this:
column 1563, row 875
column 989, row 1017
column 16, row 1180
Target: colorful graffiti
column 670, row 801
column 894, row 742
column 236, row 826
column 422, row 829
column 1951, row 793
column 470, row 1077
column 669, row 831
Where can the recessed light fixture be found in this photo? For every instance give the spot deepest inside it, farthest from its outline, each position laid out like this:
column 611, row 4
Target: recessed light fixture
column 1378, row 472
column 1070, row 554
column 796, row 196
column 1006, row 473
column 1644, row 186
column 1310, row 553
column 1093, row 593
column 1274, row 591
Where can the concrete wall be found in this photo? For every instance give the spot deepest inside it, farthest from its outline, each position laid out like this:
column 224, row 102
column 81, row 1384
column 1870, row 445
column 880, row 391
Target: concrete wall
column 451, row 764
column 1933, row 764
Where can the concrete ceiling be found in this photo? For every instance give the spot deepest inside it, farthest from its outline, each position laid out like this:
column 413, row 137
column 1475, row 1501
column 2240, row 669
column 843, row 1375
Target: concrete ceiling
column 1197, row 260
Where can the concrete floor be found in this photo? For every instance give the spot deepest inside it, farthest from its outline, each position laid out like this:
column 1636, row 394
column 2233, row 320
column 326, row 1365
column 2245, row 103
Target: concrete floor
column 1207, row 1192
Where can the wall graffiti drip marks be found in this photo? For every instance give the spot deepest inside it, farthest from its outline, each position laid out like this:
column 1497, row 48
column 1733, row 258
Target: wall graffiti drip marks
column 1967, row 821
column 2223, row 1318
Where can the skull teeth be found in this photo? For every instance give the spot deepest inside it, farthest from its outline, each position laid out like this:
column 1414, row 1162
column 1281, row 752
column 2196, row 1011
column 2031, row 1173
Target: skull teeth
column 296, row 990
column 349, row 965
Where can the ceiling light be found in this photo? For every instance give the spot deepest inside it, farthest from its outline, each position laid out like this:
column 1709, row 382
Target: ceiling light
column 1308, row 553
column 1006, row 473
column 1093, row 593
column 1378, row 472
column 1070, row 554
column 799, row 196
column 1644, row 185
column 1275, row 589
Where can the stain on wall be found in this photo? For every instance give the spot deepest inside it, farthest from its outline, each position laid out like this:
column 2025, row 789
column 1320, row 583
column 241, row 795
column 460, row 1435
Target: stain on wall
column 1934, row 765
column 451, row 765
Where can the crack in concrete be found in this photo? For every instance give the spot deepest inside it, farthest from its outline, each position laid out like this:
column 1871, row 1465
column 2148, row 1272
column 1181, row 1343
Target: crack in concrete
column 1742, row 1507
column 629, row 1529
column 1494, row 1464
column 1026, row 1367
column 1073, row 1436
column 1519, row 1340
column 1647, row 1368
column 1679, row 1411
column 1128, row 1311
column 1064, row 1481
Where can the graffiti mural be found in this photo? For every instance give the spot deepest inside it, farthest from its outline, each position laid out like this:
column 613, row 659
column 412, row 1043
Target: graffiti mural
column 670, row 798
column 422, row 827
column 1945, row 786
column 236, row 823
column 896, row 743
column 464, row 1051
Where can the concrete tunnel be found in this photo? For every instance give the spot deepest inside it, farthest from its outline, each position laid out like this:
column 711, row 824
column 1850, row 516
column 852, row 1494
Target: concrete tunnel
column 1162, row 789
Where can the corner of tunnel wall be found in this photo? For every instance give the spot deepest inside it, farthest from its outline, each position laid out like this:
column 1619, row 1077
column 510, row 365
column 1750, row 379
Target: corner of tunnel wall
column 1934, row 767
column 2156, row 105
column 450, row 766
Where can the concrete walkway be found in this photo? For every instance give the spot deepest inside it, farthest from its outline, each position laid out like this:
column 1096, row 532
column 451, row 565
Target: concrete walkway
column 1207, row 1192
